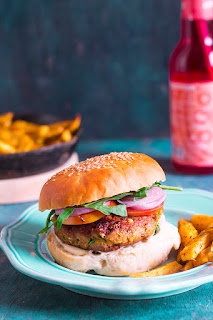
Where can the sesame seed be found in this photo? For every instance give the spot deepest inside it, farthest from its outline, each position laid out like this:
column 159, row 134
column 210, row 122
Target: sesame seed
column 97, row 163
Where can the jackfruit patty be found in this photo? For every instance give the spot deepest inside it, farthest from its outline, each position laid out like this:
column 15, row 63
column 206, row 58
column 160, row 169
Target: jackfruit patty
column 110, row 232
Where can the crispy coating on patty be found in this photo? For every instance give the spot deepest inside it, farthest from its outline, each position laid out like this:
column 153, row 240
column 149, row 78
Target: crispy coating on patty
column 110, row 232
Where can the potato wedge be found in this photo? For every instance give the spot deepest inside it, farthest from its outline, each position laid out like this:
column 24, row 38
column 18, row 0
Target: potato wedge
column 202, row 258
column 24, row 136
column 188, row 265
column 8, row 137
column 6, row 148
column 201, row 222
column 66, row 136
column 6, row 119
column 187, row 231
column 24, row 126
column 172, row 267
column 201, row 242
column 60, row 126
column 26, row 143
column 43, row 131
column 210, row 256
column 75, row 124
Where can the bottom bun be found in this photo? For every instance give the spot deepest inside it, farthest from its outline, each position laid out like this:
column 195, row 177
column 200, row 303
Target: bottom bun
column 138, row 257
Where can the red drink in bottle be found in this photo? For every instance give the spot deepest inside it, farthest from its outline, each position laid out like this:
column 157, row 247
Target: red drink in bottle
column 191, row 89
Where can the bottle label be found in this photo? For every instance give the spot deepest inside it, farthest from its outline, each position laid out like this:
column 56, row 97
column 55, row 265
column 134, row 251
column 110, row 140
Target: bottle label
column 197, row 9
column 192, row 123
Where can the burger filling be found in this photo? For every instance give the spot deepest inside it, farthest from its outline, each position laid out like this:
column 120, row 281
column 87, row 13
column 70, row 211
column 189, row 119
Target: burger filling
column 110, row 232
column 109, row 223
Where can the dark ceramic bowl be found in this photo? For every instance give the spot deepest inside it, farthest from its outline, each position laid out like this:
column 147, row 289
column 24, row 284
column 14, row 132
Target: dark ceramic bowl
column 40, row 160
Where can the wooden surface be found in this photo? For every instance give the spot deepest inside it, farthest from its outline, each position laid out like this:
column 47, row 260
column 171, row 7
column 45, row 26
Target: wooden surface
column 25, row 298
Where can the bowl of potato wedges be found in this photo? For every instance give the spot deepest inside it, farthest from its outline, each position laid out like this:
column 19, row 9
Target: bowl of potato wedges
column 35, row 143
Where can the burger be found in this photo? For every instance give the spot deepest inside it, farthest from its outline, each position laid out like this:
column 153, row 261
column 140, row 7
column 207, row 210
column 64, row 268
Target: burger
column 107, row 215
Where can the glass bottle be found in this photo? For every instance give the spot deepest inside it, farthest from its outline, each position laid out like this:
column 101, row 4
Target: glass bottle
column 191, row 89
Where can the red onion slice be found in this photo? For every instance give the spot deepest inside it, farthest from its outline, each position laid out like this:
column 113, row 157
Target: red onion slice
column 107, row 203
column 59, row 211
column 155, row 196
column 76, row 212
column 81, row 210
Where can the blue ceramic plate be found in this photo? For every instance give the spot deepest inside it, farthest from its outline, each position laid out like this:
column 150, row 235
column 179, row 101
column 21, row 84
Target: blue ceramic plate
column 28, row 253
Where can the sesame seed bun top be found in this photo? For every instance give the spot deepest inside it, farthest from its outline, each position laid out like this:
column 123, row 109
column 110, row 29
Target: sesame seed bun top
column 100, row 177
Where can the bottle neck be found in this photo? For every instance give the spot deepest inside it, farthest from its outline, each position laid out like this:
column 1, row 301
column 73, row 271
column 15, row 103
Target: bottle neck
column 188, row 29
column 197, row 9
column 194, row 12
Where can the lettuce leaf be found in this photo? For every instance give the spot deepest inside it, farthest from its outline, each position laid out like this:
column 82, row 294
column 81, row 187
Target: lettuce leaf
column 47, row 226
column 64, row 215
column 119, row 210
column 158, row 184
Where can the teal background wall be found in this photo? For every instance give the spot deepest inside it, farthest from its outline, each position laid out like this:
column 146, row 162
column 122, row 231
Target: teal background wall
column 107, row 59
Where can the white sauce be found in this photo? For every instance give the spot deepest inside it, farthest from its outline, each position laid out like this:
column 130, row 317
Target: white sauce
column 138, row 257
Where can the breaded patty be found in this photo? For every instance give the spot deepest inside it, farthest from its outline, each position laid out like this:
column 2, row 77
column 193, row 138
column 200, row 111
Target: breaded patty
column 110, row 232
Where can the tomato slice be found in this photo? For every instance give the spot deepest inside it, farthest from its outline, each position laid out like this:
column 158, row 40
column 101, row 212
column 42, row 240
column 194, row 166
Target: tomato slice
column 87, row 217
column 134, row 212
column 97, row 215
column 84, row 218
